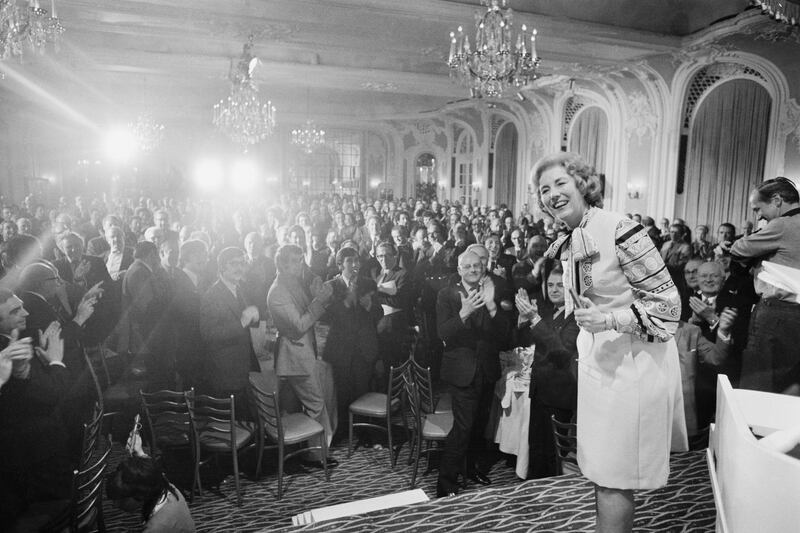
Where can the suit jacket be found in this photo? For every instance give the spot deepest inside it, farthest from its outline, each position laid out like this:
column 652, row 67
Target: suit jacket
column 143, row 306
column 294, row 314
column 86, row 273
column 471, row 346
column 353, row 329
column 127, row 258
column 190, row 348
column 230, row 357
column 555, row 366
column 31, row 430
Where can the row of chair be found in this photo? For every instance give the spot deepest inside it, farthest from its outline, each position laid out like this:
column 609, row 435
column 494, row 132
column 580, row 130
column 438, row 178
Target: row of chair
column 208, row 426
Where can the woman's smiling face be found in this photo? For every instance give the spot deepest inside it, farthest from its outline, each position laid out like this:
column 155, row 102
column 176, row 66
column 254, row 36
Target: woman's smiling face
column 561, row 197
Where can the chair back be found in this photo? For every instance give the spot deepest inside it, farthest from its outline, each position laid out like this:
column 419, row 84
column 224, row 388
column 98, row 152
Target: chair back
column 167, row 415
column 207, row 413
column 91, row 431
column 269, row 410
column 421, row 377
column 566, row 442
column 95, row 373
column 87, row 493
column 397, row 387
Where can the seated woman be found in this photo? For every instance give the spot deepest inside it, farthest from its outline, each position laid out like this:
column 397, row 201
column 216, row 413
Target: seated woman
column 139, row 484
column 553, row 388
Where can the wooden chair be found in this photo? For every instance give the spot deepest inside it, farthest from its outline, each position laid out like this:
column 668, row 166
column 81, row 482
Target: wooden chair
column 83, row 512
column 91, row 432
column 284, row 430
column 169, row 425
column 387, row 407
column 428, row 426
column 215, row 431
column 566, row 443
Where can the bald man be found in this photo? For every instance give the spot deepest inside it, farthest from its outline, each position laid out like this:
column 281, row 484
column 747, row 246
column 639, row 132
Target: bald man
column 470, row 323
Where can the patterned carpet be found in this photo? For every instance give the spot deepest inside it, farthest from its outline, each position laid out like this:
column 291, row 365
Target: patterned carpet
column 557, row 504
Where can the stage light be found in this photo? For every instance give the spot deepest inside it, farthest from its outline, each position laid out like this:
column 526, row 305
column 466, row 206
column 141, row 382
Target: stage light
column 208, row 175
column 374, row 182
column 120, row 145
column 244, row 176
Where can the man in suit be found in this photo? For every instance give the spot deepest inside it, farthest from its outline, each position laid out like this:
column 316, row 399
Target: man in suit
column 35, row 465
column 470, row 324
column 87, row 272
column 294, row 311
column 99, row 245
column 352, row 344
column 189, row 287
column 225, row 322
column 396, row 300
column 143, row 307
column 117, row 257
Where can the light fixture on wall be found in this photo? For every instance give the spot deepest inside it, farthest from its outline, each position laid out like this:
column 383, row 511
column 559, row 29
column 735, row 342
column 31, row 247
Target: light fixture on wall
column 308, row 137
column 498, row 61
column 634, row 191
column 243, row 116
column 786, row 11
column 27, row 26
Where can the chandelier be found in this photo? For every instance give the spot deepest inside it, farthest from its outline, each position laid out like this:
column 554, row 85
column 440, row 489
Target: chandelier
column 27, row 26
column 147, row 132
column 786, row 11
column 308, row 137
column 243, row 116
column 498, row 61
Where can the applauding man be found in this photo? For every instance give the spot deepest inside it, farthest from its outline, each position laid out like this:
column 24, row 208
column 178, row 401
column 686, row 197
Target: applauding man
column 470, row 325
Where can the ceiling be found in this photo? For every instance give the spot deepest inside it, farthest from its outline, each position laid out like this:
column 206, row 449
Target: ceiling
column 340, row 61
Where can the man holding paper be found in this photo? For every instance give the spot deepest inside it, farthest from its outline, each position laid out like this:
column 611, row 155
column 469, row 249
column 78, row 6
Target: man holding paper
column 771, row 361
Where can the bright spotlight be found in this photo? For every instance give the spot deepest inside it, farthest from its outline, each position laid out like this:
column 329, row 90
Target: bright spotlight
column 374, row 182
column 120, row 145
column 208, row 175
column 244, row 176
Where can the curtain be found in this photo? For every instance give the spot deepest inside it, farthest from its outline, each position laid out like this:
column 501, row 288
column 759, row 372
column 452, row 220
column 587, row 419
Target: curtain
column 505, row 166
column 588, row 137
column 727, row 149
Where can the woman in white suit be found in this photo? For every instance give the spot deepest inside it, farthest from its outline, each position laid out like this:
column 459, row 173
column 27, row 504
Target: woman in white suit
column 630, row 408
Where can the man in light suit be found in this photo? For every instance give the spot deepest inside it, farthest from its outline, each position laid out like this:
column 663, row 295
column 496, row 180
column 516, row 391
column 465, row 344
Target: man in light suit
column 294, row 312
column 225, row 322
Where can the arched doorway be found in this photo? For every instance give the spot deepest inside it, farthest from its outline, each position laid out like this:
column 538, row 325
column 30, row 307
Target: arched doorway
column 588, row 136
column 726, row 152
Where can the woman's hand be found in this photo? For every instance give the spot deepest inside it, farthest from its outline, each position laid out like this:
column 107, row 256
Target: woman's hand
column 590, row 318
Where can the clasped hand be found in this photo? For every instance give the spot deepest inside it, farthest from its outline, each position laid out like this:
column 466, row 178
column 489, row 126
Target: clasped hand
column 528, row 310
column 703, row 310
column 590, row 317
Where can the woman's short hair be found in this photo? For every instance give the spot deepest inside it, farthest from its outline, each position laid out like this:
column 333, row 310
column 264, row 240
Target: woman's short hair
column 586, row 179
column 140, row 478
column 779, row 186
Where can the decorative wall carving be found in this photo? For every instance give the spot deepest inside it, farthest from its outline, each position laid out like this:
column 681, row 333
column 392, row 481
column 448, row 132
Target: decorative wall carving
column 790, row 121
column 701, row 54
column 642, row 119
column 774, row 33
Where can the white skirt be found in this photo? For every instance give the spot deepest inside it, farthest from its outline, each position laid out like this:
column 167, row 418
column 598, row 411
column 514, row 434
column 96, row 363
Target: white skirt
column 630, row 410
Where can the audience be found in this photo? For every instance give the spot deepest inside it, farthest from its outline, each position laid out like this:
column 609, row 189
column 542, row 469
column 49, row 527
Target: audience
column 138, row 276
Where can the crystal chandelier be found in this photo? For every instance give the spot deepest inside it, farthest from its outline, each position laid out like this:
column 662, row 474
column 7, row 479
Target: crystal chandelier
column 786, row 11
column 308, row 137
column 27, row 26
column 497, row 62
column 243, row 116
column 147, row 132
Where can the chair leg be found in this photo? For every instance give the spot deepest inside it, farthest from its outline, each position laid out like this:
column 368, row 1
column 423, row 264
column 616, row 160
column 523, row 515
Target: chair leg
column 280, row 470
column 350, row 435
column 260, row 445
column 392, row 458
column 325, row 456
column 196, row 482
column 415, row 457
column 235, row 454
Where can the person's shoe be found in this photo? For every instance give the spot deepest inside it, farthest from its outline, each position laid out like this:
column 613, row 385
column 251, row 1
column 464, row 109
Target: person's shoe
column 444, row 493
column 318, row 463
column 480, row 478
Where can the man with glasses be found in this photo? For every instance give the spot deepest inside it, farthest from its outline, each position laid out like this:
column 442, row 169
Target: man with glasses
column 225, row 322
